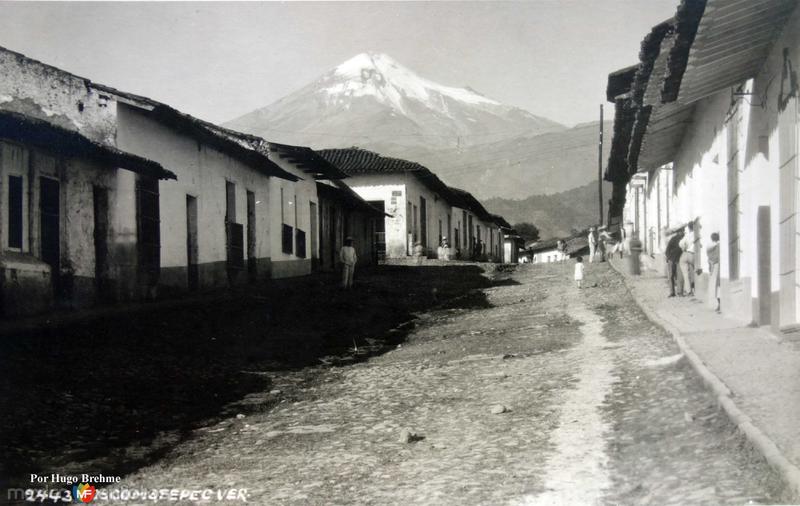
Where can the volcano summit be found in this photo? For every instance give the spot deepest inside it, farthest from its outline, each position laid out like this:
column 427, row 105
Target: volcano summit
column 372, row 100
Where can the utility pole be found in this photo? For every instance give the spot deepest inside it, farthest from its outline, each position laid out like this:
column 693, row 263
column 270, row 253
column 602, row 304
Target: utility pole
column 600, row 166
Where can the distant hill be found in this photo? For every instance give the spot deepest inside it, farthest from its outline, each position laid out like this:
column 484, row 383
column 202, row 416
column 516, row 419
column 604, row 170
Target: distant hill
column 557, row 214
column 519, row 167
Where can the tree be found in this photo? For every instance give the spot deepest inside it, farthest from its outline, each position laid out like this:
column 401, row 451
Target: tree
column 527, row 231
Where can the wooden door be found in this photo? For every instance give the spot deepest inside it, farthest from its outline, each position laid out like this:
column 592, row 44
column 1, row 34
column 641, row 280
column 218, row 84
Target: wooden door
column 191, row 243
column 50, row 219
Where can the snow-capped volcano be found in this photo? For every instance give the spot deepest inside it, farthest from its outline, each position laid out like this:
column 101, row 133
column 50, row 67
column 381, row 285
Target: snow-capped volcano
column 373, row 101
column 380, row 76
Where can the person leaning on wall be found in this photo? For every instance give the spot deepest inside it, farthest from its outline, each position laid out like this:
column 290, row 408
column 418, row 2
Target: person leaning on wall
column 687, row 259
column 672, row 256
column 713, row 272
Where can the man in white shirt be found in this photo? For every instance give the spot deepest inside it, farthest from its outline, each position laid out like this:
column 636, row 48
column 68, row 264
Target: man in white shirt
column 687, row 258
column 349, row 258
column 592, row 244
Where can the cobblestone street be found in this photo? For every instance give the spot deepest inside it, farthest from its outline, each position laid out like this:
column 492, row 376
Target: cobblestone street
column 552, row 395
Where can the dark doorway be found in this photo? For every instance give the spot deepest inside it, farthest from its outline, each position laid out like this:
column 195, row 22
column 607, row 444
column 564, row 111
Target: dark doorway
column 423, row 222
column 49, row 206
column 15, row 212
column 764, row 267
column 332, row 232
column 380, row 231
column 312, row 232
column 101, row 241
column 148, row 241
column 192, row 270
column 252, row 265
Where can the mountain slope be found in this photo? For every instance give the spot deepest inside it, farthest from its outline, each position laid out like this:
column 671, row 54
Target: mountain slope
column 555, row 215
column 517, row 168
column 371, row 98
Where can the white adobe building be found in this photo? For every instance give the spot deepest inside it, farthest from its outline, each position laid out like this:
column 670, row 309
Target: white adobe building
column 711, row 116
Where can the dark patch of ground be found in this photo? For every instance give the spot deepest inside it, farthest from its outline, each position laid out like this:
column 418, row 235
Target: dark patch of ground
column 115, row 393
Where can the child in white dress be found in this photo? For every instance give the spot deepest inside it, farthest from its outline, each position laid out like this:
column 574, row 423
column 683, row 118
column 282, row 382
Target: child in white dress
column 579, row 271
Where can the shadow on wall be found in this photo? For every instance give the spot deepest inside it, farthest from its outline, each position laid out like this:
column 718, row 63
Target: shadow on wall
column 112, row 395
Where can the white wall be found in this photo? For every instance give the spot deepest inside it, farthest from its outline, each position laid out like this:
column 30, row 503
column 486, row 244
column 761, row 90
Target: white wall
column 391, row 189
column 202, row 172
column 397, row 190
column 767, row 147
column 297, row 197
column 549, row 256
column 44, row 92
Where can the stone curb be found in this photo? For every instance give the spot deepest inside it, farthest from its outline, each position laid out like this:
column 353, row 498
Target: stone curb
column 788, row 471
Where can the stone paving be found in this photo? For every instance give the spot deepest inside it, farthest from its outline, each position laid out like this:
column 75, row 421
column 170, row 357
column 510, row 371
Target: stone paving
column 553, row 395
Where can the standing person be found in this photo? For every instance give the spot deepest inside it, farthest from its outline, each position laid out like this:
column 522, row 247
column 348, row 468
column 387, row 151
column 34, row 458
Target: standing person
column 713, row 272
column 592, row 244
column 623, row 240
column 687, row 259
column 349, row 258
column 579, row 271
column 673, row 256
column 560, row 249
column 418, row 252
column 603, row 242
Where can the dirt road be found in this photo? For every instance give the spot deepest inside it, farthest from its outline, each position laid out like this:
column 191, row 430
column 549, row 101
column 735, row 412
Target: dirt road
column 597, row 407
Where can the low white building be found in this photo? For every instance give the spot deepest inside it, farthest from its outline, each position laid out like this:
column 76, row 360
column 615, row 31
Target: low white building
column 416, row 201
column 716, row 132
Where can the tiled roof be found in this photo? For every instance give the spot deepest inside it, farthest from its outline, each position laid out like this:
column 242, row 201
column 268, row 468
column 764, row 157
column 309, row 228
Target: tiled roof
column 357, row 161
column 624, row 118
column 64, row 142
column 246, row 148
column 709, row 45
column 722, row 43
column 686, row 20
column 308, row 160
column 620, row 82
column 502, row 223
column 235, row 144
column 465, row 200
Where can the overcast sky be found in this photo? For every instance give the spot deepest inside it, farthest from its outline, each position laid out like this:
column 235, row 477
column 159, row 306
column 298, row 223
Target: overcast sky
column 218, row 61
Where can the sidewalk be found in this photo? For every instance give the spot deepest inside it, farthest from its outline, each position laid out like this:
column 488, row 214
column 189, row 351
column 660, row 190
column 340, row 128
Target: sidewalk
column 755, row 373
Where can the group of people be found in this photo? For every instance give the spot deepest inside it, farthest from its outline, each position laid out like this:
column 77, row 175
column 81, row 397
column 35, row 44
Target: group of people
column 681, row 266
column 602, row 243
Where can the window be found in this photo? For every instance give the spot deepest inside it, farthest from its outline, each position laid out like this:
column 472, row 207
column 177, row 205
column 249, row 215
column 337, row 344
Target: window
column 414, row 229
column 230, row 202
column 15, row 212
column 300, row 246
column 287, row 235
